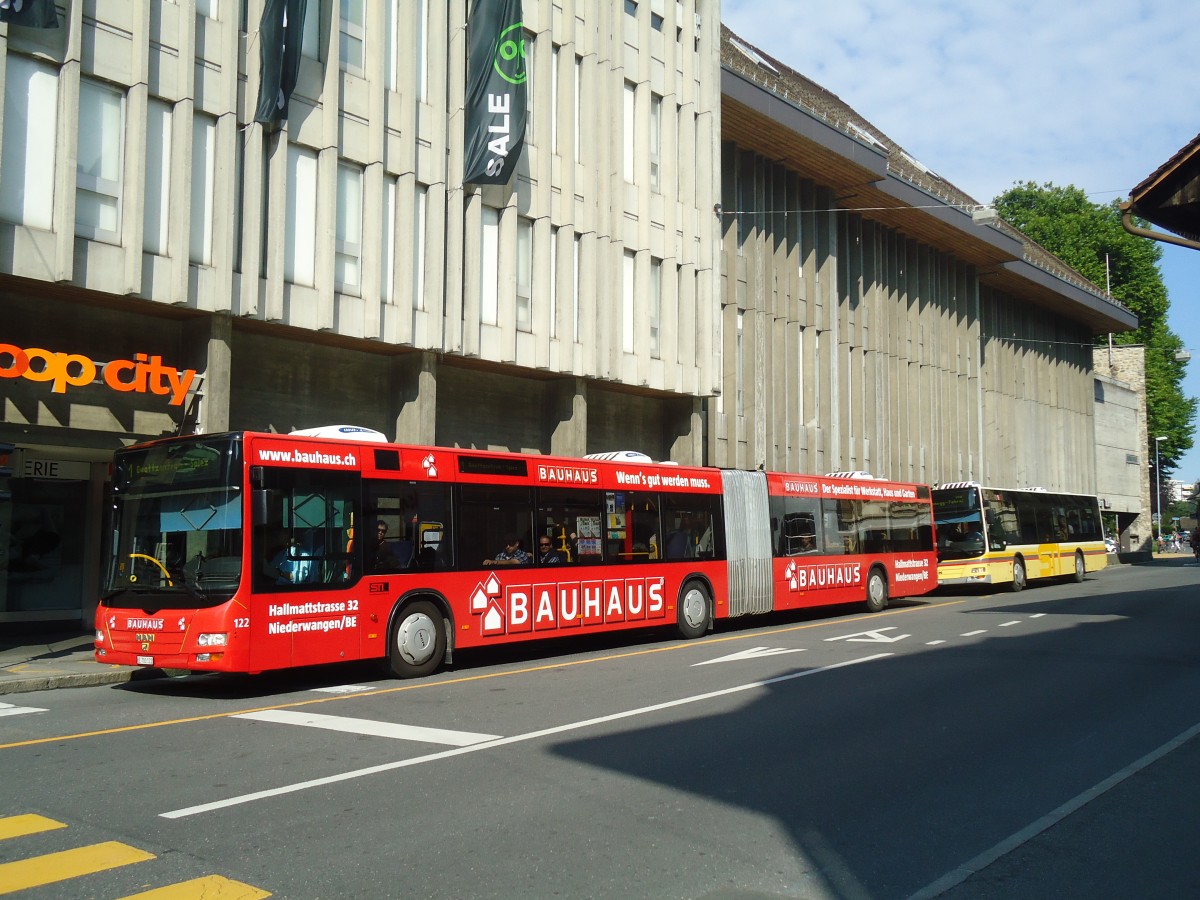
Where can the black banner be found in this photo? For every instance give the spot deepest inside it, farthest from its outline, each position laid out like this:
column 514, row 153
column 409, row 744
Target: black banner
column 280, row 33
column 496, row 91
column 30, row 13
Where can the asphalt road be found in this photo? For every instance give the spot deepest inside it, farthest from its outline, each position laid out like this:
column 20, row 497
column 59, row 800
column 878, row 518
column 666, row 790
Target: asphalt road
column 1032, row 745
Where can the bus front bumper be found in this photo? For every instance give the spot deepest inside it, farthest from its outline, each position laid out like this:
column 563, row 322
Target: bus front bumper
column 965, row 575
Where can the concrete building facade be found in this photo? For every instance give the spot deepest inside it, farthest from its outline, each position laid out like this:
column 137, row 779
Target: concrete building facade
column 674, row 268
column 1122, row 470
column 903, row 333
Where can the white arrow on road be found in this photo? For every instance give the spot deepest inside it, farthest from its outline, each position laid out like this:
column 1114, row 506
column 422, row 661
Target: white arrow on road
column 752, row 653
column 872, row 637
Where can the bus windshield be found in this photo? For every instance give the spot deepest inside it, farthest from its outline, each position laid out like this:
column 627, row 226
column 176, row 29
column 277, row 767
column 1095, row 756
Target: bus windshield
column 959, row 519
column 176, row 540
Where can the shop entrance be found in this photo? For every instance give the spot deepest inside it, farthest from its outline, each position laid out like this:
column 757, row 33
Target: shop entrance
column 41, row 572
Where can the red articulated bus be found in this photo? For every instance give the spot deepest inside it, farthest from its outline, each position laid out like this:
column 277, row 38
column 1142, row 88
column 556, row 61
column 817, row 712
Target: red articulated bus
column 244, row 552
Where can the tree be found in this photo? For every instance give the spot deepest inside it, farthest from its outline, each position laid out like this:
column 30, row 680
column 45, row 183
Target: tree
column 1088, row 237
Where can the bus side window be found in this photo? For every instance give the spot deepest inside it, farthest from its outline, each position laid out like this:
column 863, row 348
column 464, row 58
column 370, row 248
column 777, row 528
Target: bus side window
column 495, row 514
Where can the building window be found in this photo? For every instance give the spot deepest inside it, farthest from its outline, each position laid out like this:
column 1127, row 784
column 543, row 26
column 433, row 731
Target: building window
column 555, row 56
column 391, row 44
column 628, row 143
column 156, row 213
column 395, row 57
column 575, row 261
column 30, row 127
column 655, row 308
column 206, row 8
column 387, row 276
column 739, row 361
column 627, row 274
column 100, row 162
column 347, row 261
column 239, row 202
column 299, row 245
column 310, row 41
column 204, row 152
column 577, row 90
column 524, row 297
column 489, row 261
column 352, row 36
column 423, row 50
column 553, row 281
column 631, row 8
column 264, row 208
column 656, row 103
column 420, row 219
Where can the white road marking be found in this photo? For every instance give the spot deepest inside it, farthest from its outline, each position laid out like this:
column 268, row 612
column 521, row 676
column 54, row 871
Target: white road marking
column 8, row 709
column 875, row 636
column 369, row 726
column 1036, row 615
column 973, row 633
column 933, row 643
column 1006, row 624
column 983, row 860
column 505, row 741
column 344, row 689
column 752, row 653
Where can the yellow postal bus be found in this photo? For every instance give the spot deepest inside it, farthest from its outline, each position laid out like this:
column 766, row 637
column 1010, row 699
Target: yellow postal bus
column 999, row 536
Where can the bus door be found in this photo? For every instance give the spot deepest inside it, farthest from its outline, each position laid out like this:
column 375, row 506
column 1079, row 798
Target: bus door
column 797, row 537
column 303, row 615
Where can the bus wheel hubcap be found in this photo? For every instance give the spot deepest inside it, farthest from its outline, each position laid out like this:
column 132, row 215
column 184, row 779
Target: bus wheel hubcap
column 693, row 608
column 416, row 638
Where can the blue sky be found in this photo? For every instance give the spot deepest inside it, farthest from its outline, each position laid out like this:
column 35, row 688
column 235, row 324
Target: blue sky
column 1094, row 93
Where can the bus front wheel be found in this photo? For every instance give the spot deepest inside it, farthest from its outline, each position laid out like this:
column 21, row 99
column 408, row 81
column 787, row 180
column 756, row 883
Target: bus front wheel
column 1018, row 581
column 693, row 611
column 418, row 641
column 877, row 591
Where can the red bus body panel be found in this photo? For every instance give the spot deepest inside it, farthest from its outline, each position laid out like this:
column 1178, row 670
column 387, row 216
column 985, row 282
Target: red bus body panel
column 489, row 606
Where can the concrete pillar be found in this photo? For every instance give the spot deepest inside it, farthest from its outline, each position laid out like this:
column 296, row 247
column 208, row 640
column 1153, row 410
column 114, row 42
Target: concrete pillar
column 414, row 377
column 567, row 411
column 208, row 348
column 683, row 430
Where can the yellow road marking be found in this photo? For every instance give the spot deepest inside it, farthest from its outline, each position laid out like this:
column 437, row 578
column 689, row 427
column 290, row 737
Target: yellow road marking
column 54, row 867
column 17, row 826
column 428, row 685
column 210, row 887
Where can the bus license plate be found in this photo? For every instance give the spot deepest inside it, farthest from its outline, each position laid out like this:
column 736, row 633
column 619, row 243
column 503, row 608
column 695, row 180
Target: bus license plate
column 145, row 660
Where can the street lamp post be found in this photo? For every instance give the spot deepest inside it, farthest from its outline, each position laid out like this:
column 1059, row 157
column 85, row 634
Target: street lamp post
column 1158, row 483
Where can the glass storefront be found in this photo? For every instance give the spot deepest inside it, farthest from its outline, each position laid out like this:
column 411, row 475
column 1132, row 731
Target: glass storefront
column 43, row 526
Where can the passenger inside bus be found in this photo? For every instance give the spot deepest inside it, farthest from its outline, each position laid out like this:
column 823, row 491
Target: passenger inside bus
column 511, row 555
column 679, row 540
column 547, row 555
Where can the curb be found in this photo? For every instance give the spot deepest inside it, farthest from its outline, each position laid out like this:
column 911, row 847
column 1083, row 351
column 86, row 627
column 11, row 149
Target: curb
column 81, row 679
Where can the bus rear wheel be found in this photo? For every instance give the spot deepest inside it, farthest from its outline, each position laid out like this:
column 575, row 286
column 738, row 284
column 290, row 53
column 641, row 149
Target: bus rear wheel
column 1018, row 580
column 877, row 591
column 693, row 611
column 417, row 643
column 1080, row 566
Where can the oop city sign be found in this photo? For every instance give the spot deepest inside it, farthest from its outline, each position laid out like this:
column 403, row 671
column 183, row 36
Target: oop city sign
column 142, row 374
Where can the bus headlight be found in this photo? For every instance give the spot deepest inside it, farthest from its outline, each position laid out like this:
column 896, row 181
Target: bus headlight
column 215, row 639
column 99, row 635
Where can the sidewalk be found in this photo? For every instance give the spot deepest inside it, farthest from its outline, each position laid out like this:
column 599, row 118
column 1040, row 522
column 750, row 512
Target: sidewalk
column 63, row 660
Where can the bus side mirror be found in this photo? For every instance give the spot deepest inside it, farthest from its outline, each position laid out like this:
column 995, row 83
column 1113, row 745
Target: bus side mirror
column 997, row 542
column 266, row 507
